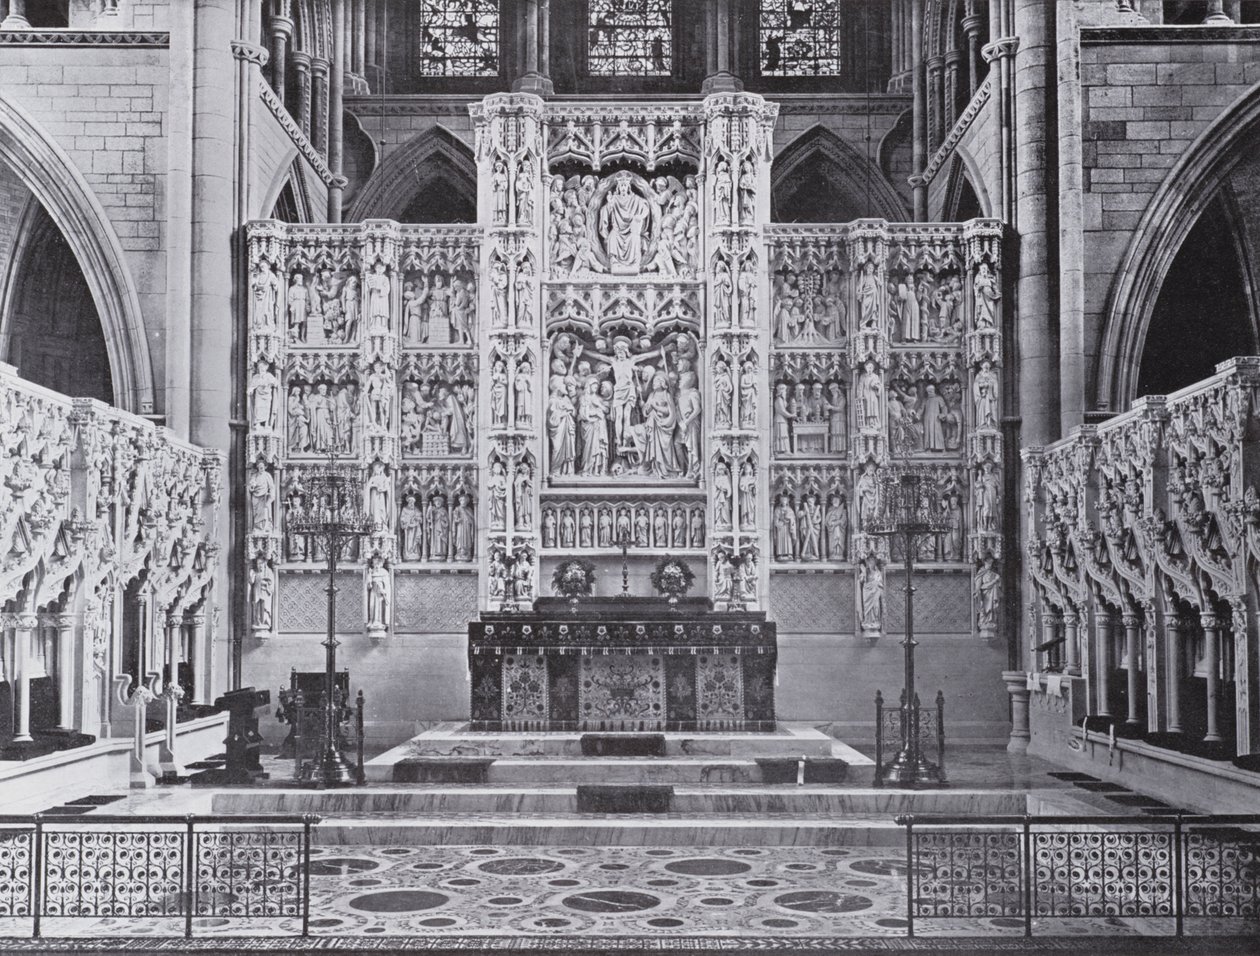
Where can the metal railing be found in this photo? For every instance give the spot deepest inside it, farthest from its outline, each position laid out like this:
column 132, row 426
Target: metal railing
column 1050, row 867
column 156, row 867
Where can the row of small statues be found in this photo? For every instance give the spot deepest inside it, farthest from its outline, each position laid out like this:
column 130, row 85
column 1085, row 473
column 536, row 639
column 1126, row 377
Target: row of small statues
column 661, row 526
column 921, row 311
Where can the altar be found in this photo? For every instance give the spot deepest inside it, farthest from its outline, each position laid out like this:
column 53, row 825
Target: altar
column 622, row 664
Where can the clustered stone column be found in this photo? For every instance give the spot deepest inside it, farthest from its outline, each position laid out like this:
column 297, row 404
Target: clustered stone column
column 511, row 160
column 534, row 21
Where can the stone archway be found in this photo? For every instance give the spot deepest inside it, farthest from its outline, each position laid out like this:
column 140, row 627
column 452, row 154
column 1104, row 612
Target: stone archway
column 53, row 179
column 819, row 173
column 434, row 165
column 1186, row 192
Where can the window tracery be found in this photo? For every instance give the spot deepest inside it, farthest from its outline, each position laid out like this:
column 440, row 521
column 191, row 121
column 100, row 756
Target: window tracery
column 629, row 38
column 800, row 37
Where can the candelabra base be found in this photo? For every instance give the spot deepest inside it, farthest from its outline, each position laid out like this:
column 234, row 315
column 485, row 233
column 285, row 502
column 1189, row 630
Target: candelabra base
column 913, row 771
column 329, row 769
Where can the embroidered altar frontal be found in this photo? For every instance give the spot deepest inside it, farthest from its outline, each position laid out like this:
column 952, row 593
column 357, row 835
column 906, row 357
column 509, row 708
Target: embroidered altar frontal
column 589, row 670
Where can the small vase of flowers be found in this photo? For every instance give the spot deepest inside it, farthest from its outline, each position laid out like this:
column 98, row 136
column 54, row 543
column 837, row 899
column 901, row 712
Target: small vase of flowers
column 574, row 579
column 672, row 577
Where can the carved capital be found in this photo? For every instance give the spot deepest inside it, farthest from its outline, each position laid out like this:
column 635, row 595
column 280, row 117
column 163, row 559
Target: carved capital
column 250, row 52
column 997, row 49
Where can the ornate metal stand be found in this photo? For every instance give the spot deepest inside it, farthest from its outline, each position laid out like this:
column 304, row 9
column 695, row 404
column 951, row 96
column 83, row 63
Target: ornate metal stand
column 332, row 515
column 909, row 508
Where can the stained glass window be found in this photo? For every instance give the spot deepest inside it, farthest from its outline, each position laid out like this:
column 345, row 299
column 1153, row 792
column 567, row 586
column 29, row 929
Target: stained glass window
column 457, row 37
column 629, row 38
column 800, row 37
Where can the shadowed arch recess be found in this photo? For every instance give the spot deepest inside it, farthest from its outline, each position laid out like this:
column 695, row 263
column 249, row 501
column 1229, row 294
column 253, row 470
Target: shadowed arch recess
column 430, row 178
column 51, row 176
column 818, row 177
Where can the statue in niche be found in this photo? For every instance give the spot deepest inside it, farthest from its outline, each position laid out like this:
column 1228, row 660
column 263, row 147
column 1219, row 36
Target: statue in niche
column 523, row 386
column 748, row 497
column 498, row 394
column 783, row 418
column 723, row 293
column 299, row 432
column 911, row 318
column 623, row 222
column 437, row 529
column 660, row 529
column 871, row 584
column 523, row 496
column 415, row 325
column 268, row 291
column 262, row 494
column 496, row 488
column 320, row 413
column 560, row 414
column 723, row 496
column 723, row 189
column 836, row 528
column 985, row 390
column 666, row 257
column 987, row 296
column 462, row 309
column 696, row 528
column 784, row 530
column 867, row 492
column 747, row 294
column 986, row 587
column 524, row 193
column 524, row 296
column 499, row 187
column 439, row 296
column 660, row 415
column 836, row 408
column 299, row 300
column 327, row 300
column 947, row 298
column 262, row 589
column 377, row 595
column 868, row 296
column 568, row 529
column 935, row 415
column 748, row 395
column 549, row 528
column 625, row 527
column 810, row 523
column 723, row 393
column 678, row 529
column 453, row 419
column 346, row 410
column 350, row 309
column 497, row 574
column 988, row 492
column 378, row 287
column 642, row 529
column 499, row 287
column 586, row 530
column 723, row 579
column 748, row 576
column 376, row 489
column 689, row 420
column 954, row 539
column 523, row 571
column 262, row 389
column 378, row 394
column 747, row 193
column 593, row 430
column 870, row 390
column 464, row 528
column 410, row 529
column 604, row 528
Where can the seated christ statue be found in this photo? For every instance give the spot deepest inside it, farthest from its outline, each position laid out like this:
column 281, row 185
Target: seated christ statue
column 622, row 223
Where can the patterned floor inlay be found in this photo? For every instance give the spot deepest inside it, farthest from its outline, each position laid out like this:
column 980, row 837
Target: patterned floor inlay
column 610, row 892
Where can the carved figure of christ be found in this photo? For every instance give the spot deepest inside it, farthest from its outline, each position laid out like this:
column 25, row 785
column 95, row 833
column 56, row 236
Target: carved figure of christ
column 623, row 366
column 621, row 223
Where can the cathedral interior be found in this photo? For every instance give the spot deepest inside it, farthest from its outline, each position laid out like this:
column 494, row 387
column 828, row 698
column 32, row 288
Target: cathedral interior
column 714, row 440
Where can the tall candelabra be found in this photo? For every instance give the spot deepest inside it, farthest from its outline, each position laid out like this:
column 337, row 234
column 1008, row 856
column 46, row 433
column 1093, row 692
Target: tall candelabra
column 910, row 507
column 331, row 515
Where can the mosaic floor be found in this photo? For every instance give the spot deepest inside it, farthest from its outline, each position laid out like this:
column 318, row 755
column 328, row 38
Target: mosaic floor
column 748, row 892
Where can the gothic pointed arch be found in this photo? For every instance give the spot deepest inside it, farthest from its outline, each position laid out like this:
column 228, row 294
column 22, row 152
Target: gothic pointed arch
column 53, row 179
column 818, row 177
column 1191, row 185
column 965, row 195
column 430, row 178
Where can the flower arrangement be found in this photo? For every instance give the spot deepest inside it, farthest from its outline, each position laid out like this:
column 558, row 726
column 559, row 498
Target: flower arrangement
column 672, row 577
column 574, row 578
